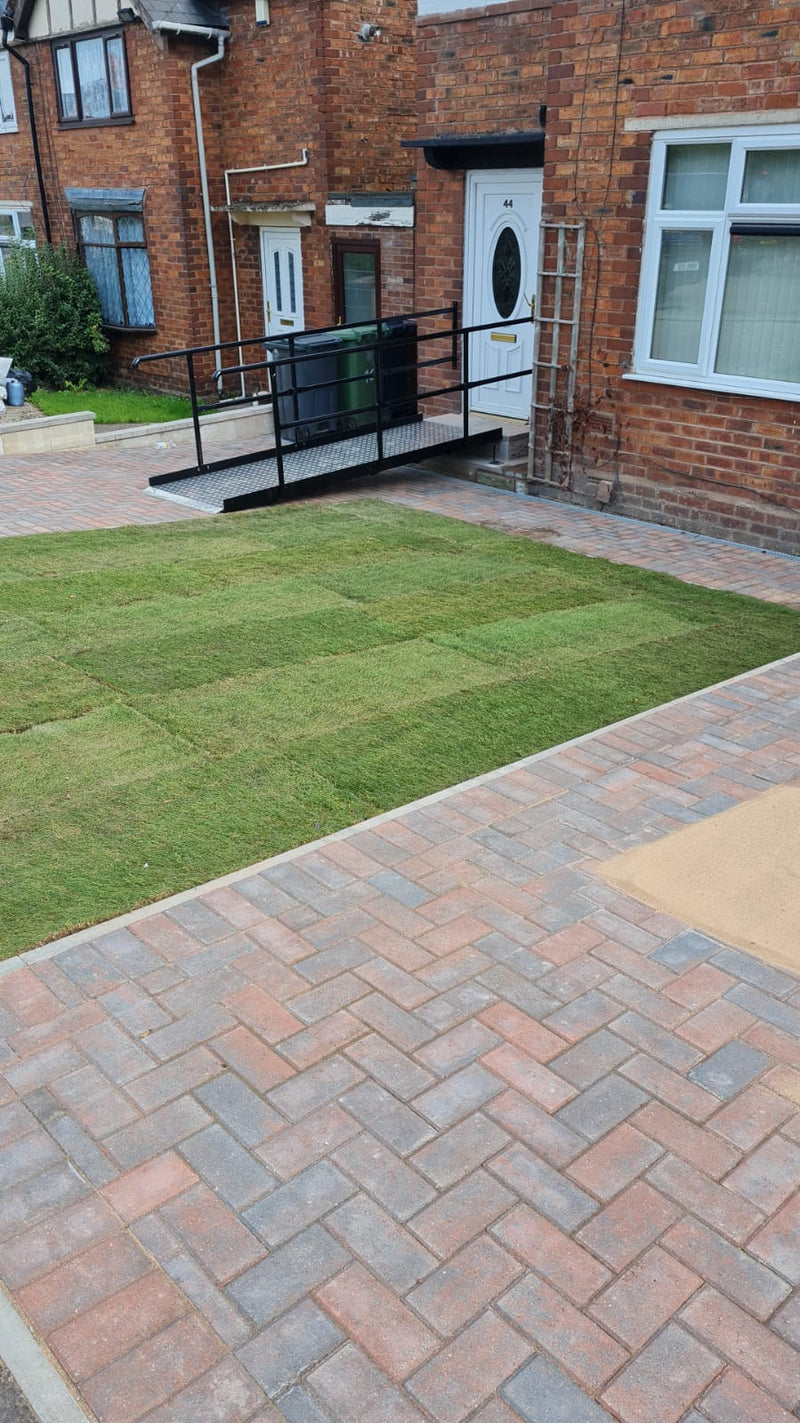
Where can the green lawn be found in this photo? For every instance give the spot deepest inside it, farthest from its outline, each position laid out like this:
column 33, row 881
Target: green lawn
column 183, row 700
column 114, row 407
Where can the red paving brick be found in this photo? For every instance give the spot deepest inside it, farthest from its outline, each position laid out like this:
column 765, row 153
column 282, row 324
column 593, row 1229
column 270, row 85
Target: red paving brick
column 641, row 1239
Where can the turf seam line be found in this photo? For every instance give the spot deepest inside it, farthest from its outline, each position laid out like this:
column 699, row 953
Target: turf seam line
column 121, row 921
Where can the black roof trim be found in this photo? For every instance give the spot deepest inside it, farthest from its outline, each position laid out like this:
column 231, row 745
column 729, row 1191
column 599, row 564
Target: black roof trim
column 482, row 150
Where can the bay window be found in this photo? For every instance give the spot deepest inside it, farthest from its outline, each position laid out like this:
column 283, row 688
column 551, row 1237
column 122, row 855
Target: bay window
column 114, row 250
column 719, row 301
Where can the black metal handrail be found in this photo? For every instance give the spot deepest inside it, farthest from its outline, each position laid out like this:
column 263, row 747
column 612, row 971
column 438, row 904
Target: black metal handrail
column 380, row 409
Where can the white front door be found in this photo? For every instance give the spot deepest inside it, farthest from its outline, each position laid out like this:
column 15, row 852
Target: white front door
column 503, row 212
column 282, row 272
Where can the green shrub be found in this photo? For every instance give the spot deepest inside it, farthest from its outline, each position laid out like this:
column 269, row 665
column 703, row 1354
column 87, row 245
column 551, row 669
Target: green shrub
column 50, row 317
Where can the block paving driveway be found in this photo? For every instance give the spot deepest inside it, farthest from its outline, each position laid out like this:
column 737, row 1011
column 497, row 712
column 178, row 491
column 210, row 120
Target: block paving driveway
column 426, row 1122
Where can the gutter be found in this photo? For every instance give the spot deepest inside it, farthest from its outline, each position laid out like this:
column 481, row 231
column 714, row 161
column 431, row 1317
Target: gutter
column 176, row 28
column 7, row 22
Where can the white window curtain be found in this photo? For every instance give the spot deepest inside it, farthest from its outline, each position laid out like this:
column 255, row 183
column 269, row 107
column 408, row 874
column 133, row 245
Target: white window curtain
column 93, row 79
column 760, row 326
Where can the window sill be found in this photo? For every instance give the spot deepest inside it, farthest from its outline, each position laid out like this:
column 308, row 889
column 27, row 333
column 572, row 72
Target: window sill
column 68, row 125
column 128, row 330
column 9, row 128
column 717, row 387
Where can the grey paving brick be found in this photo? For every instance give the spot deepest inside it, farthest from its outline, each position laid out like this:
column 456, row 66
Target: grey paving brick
column 458, row 1047
column 89, row 970
column 542, row 1187
column 29, row 1156
column 390, row 1067
column 163, row 1128
column 752, row 970
column 394, row 1122
column 27, row 1204
column 458, row 1151
column 357, row 1392
column 405, row 1030
column 191, row 1031
column 216, row 957
column 453, row 1007
column 764, row 1006
column 686, row 950
column 81, row 1150
column 398, row 887
column 314, row 1087
column 223, row 1316
column 536, row 1128
column 648, row 1036
column 591, row 1059
column 136, row 1010
column 320, row 1002
column 297, row 1268
column 326, row 964
column 128, row 953
column 240, row 1109
column 299, row 1406
column 729, row 1069
column 395, row 983
column 519, row 991
column 290, row 1208
column 198, row 992
column 200, row 921
column 383, row 1245
column 542, row 1394
column 602, row 1106
column 285, row 1350
column 110, row 1049
column 459, row 1095
column 227, row 1167
column 382, row 1173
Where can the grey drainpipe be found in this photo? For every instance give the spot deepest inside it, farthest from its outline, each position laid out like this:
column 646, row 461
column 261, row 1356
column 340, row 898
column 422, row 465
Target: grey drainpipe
column 220, row 36
column 7, row 22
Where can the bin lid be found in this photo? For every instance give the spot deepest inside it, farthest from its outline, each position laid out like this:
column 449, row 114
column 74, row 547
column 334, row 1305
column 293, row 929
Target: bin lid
column 358, row 334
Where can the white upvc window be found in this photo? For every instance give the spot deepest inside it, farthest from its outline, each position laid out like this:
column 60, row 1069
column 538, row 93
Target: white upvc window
column 8, row 112
column 719, row 299
column 15, row 226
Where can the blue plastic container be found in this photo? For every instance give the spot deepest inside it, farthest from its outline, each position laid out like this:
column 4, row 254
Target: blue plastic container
column 15, row 391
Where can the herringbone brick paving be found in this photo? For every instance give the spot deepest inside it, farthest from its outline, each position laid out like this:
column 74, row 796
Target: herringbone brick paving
column 426, row 1122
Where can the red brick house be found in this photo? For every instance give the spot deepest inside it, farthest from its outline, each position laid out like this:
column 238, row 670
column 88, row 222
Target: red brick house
column 224, row 171
column 665, row 138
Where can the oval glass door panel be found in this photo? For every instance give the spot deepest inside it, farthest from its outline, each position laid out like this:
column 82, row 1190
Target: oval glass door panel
column 506, row 272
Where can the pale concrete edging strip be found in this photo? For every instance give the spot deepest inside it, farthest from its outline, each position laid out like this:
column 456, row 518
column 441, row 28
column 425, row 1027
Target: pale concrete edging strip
column 107, row 926
column 37, row 1378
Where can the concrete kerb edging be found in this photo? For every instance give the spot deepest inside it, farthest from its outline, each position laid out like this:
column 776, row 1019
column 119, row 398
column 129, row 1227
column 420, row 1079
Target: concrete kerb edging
column 122, row 921
column 37, row 1378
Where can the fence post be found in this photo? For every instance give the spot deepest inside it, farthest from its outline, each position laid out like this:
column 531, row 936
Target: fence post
column 465, row 375
column 454, row 342
column 276, row 423
column 379, row 395
column 198, row 440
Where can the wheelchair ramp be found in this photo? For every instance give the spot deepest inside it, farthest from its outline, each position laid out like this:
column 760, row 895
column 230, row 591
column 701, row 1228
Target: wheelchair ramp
column 226, row 487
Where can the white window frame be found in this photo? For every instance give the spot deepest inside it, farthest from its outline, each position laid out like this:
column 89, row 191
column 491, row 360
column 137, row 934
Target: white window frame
column 15, row 211
column 701, row 375
column 8, row 108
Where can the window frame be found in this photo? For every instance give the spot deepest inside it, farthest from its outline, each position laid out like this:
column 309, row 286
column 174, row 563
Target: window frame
column 69, row 43
column 15, row 211
column 701, row 374
column 341, row 245
column 10, row 124
column 117, row 249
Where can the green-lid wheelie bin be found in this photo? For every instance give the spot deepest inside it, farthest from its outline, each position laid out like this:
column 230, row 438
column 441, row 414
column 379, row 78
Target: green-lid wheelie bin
column 357, row 376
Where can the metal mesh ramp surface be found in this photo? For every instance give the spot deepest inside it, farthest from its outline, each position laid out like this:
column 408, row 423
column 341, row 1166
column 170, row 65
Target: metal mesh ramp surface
column 240, row 485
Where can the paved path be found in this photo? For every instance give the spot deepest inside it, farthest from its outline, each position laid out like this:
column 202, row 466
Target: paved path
column 88, row 489
column 426, row 1123
column 713, row 563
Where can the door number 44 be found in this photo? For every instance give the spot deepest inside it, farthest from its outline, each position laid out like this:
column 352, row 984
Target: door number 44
column 509, row 203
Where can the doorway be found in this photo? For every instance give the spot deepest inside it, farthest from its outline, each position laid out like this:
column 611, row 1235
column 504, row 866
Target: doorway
column 282, row 273
column 501, row 243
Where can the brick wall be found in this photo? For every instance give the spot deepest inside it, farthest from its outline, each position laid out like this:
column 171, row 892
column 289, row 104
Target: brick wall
column 303, row 81
column 481, row 71
column 723, row 464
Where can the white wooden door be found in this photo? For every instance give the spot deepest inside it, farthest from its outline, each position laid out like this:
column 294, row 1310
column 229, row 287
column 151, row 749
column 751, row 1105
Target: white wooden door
column 503, row 212
column 282, row 272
